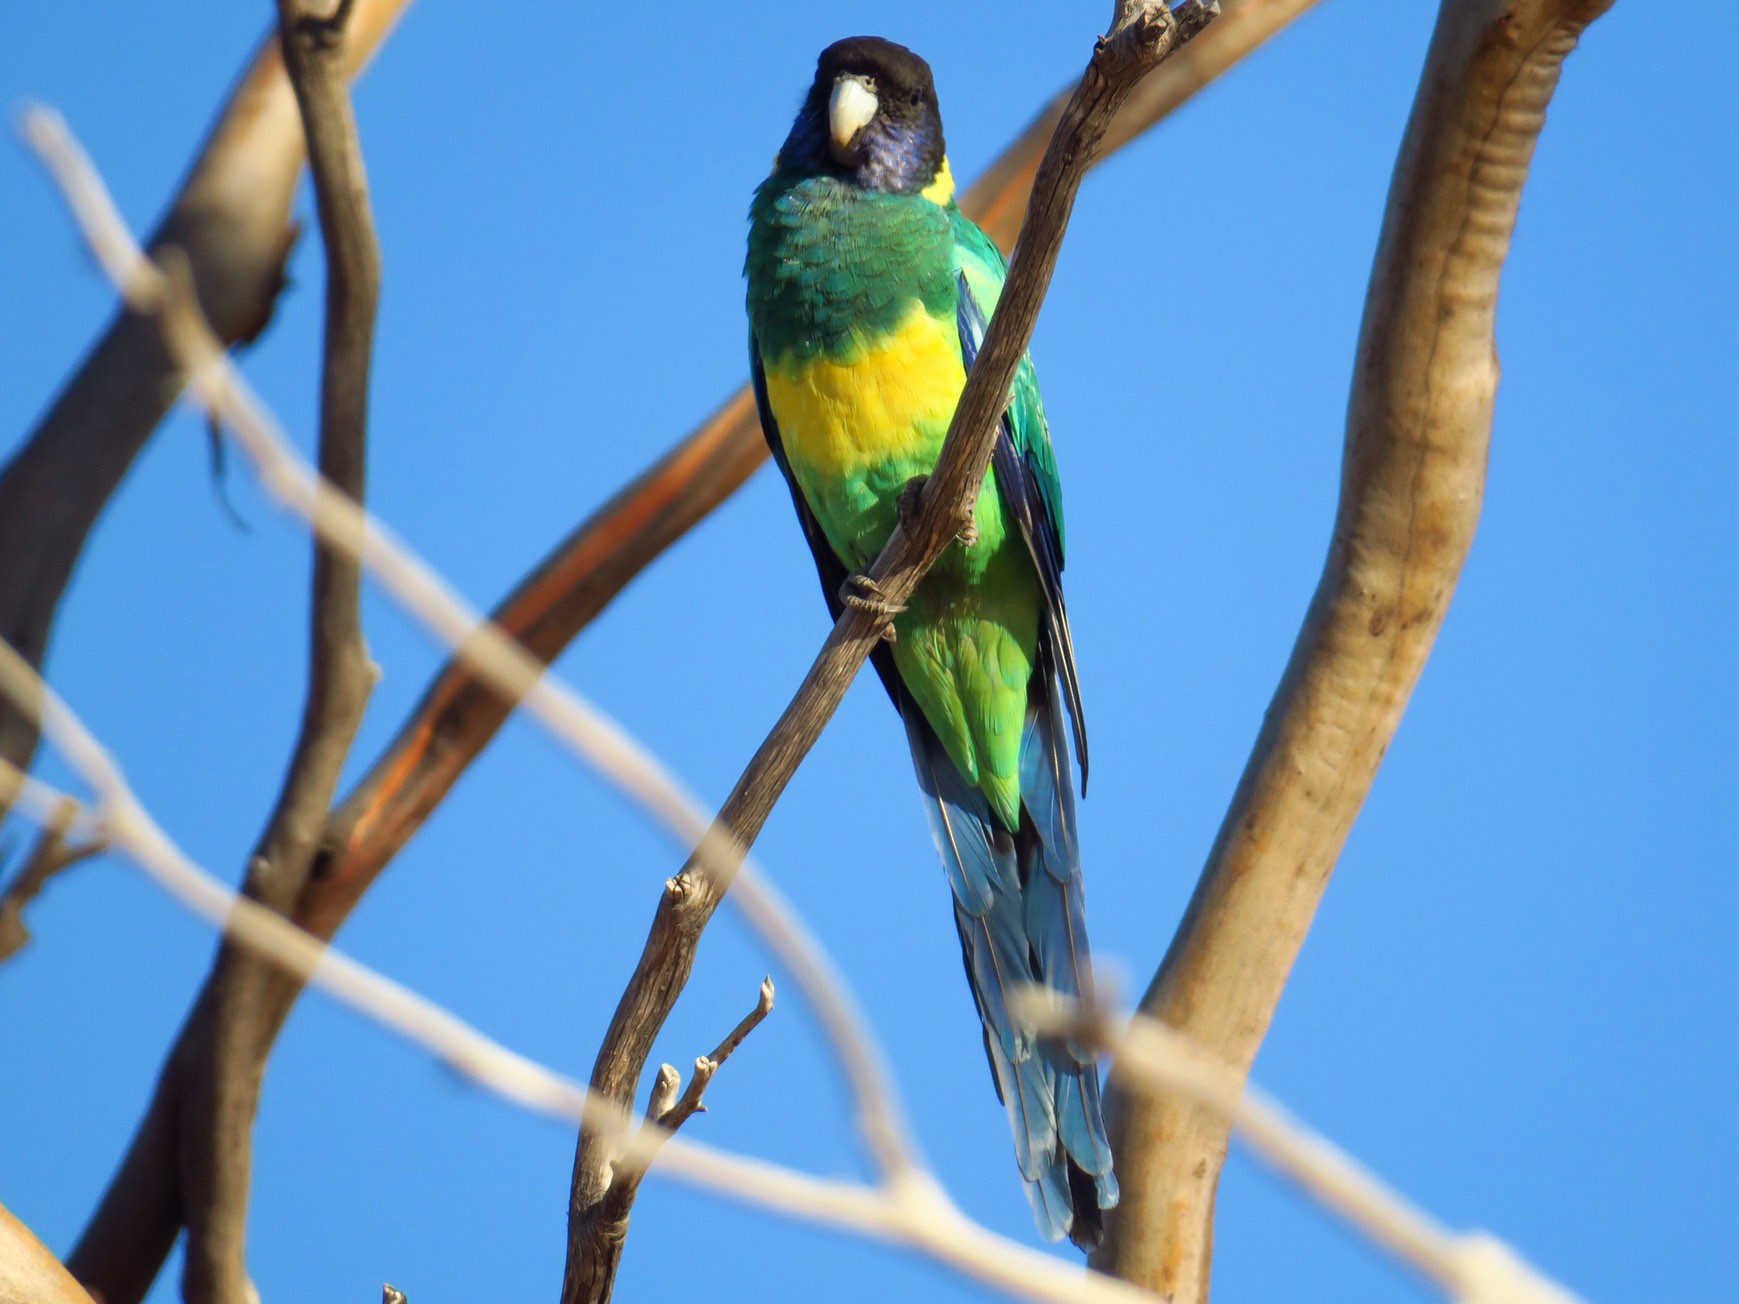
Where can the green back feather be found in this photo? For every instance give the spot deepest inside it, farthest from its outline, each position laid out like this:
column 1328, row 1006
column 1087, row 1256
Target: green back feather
column 982, row 263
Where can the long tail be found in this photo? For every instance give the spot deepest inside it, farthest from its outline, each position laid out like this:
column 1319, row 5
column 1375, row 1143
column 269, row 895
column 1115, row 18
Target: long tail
column 1019, row 908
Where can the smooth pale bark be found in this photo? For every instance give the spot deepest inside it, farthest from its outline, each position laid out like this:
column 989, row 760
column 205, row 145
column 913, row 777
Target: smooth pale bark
column 29, row 1274
column 1418, row 429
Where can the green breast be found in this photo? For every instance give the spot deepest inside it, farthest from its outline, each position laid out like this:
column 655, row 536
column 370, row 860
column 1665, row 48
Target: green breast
column 830, row 265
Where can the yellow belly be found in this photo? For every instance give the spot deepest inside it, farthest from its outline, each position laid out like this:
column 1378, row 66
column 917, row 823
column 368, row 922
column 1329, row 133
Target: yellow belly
column 889, row 402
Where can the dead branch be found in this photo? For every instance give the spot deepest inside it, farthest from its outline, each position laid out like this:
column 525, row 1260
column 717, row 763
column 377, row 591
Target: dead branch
column 1141, row 37
column 1418, row 428
column 213, row 1138
column 916, row 1213
column 52, row 854
column 231, row 219
column 669, row 1111
column 217, row 1131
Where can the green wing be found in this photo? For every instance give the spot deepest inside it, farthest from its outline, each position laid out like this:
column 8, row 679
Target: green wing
column 982, row 265
column 1025, row 465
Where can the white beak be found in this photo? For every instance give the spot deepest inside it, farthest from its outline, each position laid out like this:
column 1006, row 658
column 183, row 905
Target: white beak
column 850, row 108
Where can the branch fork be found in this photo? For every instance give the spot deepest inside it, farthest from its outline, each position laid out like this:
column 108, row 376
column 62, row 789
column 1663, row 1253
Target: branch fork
column 668, row 1107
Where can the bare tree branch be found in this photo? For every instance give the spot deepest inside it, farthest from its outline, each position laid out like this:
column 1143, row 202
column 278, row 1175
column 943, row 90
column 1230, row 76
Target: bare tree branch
column 231, row 218
column 53, row 853
column 217, row 1133
column 1141, row 36
column 1418, row 429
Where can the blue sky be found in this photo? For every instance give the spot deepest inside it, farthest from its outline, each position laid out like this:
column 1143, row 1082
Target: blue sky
column 1517, row 1002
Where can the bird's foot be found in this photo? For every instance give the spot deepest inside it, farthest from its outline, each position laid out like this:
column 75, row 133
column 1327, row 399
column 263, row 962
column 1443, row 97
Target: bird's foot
column 861, row 593
column 911, row 502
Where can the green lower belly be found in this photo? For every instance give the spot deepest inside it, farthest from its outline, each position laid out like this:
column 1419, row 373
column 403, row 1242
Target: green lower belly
column 966, row 643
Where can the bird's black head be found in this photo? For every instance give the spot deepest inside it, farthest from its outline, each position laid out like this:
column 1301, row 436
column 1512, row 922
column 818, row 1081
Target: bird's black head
column 871, row 118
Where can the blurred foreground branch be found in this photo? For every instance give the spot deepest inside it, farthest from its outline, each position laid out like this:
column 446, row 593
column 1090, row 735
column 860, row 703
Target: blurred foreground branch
column 1154, row 1060
column 1418, row 429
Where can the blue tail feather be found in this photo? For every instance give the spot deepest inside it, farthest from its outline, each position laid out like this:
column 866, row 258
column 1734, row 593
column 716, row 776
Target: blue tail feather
column 1024, row 1089
column 1019, row 909
column 959, row 817
column 1046, row 786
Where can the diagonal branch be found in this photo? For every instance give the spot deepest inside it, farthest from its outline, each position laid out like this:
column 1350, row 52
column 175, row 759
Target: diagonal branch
column 1141, row 37
column 231, row 218
column 1418, row 429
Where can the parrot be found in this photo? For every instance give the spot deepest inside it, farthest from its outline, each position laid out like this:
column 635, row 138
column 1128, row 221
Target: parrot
column 868, row 297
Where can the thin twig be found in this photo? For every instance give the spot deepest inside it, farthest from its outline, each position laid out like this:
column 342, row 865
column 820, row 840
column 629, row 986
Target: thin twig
column 217, row 1138
column 52, row 854
column 707, row 1065
column 1418, row 430
column 668, row 1109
